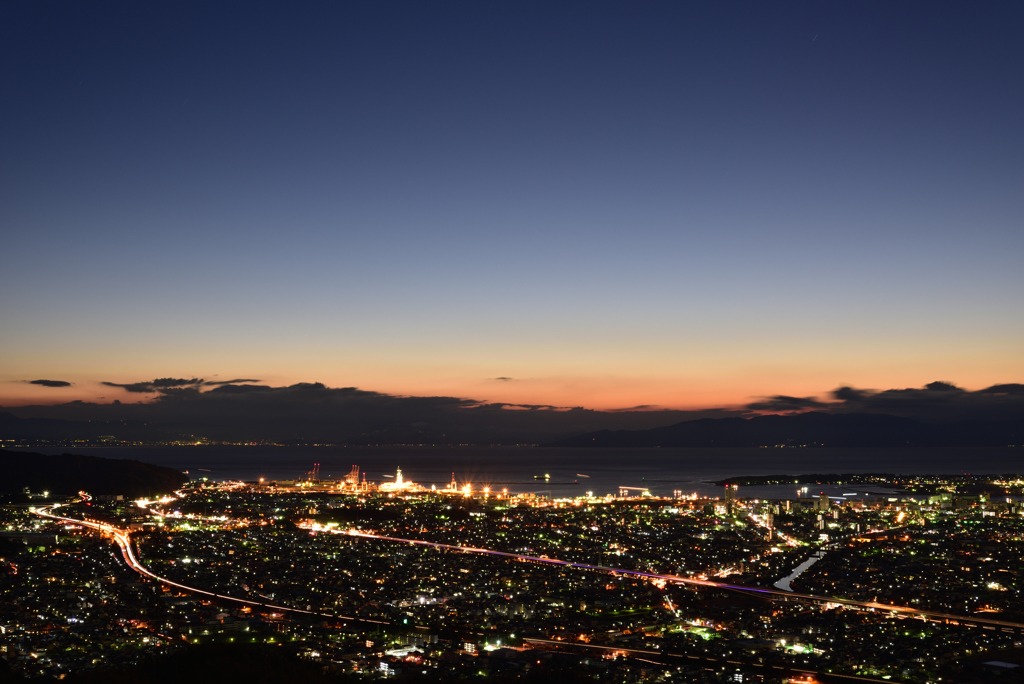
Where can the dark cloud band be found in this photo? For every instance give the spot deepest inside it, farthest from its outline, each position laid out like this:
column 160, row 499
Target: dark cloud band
column 230, row 382
column 158, row 385
column 781, row 402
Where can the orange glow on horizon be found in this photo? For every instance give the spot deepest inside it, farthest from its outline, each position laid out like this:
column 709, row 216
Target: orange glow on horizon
column 659, row 372
column 608, row 393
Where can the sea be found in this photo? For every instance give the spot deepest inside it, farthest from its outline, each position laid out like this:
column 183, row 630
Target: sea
column 571, row 472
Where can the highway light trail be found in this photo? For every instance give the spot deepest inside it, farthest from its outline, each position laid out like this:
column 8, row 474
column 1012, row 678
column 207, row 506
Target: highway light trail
column 123, row 540
column 813, row 598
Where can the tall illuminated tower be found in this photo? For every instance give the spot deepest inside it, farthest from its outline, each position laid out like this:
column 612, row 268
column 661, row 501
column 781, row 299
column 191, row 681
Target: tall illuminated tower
column 730, row 498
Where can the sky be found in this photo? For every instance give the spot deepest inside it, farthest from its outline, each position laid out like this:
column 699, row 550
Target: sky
column 595, row 204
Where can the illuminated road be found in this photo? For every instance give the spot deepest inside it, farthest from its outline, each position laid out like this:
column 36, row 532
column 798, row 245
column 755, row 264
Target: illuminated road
column 987, row 623
column 123, row 539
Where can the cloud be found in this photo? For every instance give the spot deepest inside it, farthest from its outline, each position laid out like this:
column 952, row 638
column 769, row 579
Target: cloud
column 1011, row 389
column 230, row 382
column 939, row 401
column 49, row 383
column 781, row 402
column 935, row 402
column 315, row 412
column 939, row 386
column 850, row 394
column 504, row 379
column 240, row 389
column 502, row 406
column 162, row 385
column 175, row 385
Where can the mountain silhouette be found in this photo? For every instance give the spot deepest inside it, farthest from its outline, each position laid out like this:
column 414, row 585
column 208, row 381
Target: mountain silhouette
column 810, row 429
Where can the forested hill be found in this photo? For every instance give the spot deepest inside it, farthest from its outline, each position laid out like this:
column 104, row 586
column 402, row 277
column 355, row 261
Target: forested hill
column 69, row 473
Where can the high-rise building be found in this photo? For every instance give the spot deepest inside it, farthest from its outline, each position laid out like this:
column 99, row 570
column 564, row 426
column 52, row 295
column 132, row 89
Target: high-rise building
column 730, row 498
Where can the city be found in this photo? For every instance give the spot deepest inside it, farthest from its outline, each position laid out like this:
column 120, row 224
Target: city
column 388, row 578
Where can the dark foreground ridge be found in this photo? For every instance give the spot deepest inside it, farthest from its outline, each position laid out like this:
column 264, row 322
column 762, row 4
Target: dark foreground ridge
column 811, row 429
column 201, row 664
column 261, row 664
column 68, row 473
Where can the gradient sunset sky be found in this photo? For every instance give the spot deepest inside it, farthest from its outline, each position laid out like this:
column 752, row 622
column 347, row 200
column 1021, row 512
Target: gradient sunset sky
column 580, row 204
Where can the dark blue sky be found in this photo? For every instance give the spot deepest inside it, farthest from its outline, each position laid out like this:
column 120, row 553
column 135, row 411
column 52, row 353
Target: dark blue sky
column 611, row 203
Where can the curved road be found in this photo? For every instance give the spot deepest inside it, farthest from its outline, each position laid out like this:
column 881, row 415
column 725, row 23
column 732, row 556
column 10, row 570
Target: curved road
column 123, row 539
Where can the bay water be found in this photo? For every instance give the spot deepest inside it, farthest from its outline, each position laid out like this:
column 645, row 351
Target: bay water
column 571, row 471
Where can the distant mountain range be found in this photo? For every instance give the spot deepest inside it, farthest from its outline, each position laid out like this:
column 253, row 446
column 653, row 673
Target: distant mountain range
column 810, row 429
column 550, row 428
column 14, row 428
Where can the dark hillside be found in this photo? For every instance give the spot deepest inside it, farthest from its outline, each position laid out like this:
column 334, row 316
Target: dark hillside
column 68, row 473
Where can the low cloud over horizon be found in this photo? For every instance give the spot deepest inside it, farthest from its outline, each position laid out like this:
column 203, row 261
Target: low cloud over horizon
column 49, row 383
column 936, row 401
column 233, row 410
column 240, row 410
column 171, row 385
